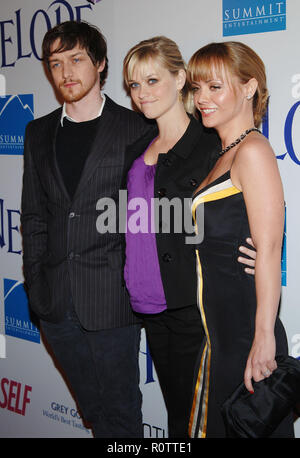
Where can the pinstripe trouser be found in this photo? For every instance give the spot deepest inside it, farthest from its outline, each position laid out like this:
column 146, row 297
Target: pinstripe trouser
column 102, row 369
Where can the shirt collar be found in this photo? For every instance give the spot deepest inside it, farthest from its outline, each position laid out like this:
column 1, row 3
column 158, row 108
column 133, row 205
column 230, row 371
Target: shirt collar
column 65, row 115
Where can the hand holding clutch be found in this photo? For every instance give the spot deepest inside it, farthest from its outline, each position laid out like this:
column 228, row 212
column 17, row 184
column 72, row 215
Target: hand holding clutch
column 257, row 415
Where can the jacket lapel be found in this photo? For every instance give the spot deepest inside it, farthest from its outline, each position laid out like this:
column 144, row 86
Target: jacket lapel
column 135, row 150
column 105, row 134
column 52, row 133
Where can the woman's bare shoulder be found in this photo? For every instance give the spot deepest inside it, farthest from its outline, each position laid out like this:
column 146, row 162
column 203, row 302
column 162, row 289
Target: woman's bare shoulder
column 255, row 148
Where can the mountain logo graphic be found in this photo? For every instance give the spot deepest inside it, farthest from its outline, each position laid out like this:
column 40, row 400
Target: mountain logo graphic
column 17, row 315
column 15, row 113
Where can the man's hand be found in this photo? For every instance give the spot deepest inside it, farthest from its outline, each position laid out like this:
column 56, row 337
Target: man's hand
column 248, row 252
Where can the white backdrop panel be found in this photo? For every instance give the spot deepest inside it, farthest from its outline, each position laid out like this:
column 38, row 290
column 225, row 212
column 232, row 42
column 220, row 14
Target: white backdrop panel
column 34, row 398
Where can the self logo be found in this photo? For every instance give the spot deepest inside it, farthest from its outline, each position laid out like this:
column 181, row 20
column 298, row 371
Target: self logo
column 14, row 396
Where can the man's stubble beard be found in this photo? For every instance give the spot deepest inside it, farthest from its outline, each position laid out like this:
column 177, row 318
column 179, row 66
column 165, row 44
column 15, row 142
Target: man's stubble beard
column 70, row 96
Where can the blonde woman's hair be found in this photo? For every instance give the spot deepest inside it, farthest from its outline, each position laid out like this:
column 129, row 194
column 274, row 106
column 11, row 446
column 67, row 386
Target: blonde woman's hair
column 233, row 58
column 161, row 50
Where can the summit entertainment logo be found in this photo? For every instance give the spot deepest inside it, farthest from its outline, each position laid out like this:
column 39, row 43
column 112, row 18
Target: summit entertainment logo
column 253, row 16
column 15, row 113
column 17, row 315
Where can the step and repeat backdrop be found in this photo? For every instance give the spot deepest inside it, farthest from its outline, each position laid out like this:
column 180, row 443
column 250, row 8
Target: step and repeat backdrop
column 35, row 400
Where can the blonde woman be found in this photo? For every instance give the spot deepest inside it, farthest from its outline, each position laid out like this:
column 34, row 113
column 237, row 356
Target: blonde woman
column 160, row 268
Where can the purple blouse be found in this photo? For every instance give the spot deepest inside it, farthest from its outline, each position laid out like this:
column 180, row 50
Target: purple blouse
column 142, row 272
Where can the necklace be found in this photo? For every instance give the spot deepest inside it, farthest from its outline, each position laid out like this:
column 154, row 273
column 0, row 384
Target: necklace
column 238, row 140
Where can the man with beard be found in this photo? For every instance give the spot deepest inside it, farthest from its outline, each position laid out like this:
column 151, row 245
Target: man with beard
column 73, row 157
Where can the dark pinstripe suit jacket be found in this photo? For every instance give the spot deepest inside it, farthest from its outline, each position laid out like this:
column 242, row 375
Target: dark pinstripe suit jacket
column 64, row 255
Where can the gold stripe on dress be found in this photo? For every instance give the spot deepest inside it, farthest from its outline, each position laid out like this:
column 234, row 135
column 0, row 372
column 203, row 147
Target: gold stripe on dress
column 231, row 191
column 201, row 395
column 197, row 394
column 202, row 385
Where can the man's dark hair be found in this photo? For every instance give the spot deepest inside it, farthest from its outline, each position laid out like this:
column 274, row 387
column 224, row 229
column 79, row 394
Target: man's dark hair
column 72, row 33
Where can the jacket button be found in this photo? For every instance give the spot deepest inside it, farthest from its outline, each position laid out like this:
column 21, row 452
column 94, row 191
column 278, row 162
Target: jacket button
column 167, row 257
column 162, row 192
column 167, row 162
column 193, row 182
column 71, row 256
column 71, row 215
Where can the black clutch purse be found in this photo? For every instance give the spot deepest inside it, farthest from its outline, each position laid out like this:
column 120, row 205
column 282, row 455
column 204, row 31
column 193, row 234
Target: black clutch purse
column 257, row 415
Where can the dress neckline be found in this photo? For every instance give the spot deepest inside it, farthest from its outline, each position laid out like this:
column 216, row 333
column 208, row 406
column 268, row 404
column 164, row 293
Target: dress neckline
column 143, row 155
column 215, row 181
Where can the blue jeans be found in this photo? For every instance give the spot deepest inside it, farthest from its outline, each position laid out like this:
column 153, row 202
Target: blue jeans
column 103, row 371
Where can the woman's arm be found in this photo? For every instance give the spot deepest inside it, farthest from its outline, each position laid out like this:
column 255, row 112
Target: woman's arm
column 256, row 173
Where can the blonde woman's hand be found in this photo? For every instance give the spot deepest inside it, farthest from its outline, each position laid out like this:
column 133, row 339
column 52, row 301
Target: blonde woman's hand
column 249, row 261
